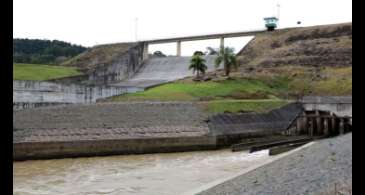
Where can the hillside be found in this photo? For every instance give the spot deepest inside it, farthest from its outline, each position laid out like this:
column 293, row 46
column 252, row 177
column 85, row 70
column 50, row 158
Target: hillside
column 97, row 56
column 275, row 66
column 36, row 51
column 310, row 60
column 327, row 45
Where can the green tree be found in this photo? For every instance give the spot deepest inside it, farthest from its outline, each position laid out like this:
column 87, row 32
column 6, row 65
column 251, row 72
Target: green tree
column 197, row 63
column 198, row 53
column 228, row 58
column 43, row 51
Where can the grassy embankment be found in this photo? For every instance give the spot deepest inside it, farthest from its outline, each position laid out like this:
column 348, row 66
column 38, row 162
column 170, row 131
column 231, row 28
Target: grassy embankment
column 229, row 95
column 38, row 72
column 260, row 90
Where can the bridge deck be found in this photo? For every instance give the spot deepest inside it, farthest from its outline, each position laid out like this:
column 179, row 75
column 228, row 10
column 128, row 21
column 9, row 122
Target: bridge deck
column 203, row 37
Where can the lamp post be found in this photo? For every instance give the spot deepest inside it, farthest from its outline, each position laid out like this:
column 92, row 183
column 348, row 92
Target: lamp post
column 136, row 29
column 278, row 13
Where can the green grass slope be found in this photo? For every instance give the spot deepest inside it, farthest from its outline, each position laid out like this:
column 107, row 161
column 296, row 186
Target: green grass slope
column 258, row 90
column 233, row 95
column 205, row 91
column 257, row 105
column 41, row 72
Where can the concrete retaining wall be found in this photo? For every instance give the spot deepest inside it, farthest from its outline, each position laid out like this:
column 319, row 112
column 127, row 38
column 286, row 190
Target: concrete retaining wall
column 29, row 105
column 79, row 79
column 123, row 67
column 231, row 128
column 30, row 94
column 339, row 105
column 254, row 123
column 338, row 109
column 47, row 150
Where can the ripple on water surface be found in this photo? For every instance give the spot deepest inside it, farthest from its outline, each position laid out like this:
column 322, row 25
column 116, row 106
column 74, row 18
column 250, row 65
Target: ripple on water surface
column 172, row 173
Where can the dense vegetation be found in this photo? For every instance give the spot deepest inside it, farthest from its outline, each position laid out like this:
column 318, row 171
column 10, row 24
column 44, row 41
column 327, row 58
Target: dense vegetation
column 35, row 51
column 41, row 72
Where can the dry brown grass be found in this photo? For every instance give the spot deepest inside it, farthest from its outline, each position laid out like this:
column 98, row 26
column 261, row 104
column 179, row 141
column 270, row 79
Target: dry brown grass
column 305, row 80
column 329, row 45
column 98, row 56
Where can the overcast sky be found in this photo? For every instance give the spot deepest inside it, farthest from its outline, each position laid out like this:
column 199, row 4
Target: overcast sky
column 91, row 22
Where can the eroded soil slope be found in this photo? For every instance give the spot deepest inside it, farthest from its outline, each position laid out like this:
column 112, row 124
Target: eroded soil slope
column 100, row 55
column 327, row 45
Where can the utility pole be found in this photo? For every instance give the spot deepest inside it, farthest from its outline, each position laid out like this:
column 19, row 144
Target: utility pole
column 278, row 12
column 136, row 29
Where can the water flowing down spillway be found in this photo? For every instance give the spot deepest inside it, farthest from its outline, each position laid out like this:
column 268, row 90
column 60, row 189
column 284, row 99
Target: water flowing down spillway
column 172, row 173
column 157, row 70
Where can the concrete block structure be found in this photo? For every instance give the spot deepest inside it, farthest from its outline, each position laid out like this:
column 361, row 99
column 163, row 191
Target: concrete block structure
column 31, row 94
column 339, row 105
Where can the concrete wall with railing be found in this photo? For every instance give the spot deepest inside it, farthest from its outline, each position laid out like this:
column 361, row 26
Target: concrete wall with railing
column 30, row 94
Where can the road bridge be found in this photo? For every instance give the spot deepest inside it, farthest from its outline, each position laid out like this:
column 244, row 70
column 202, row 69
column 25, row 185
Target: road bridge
column 178, row 40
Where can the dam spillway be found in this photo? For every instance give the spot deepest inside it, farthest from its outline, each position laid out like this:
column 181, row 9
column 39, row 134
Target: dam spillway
column 158, row 70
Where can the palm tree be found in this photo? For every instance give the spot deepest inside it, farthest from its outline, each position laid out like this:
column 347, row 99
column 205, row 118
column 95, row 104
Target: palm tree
column 227, row 56
column 197, row 63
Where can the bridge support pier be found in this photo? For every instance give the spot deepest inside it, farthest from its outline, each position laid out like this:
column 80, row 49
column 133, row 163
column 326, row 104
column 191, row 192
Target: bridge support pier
column 178, row 48
column 221, row 43
column 145, row 51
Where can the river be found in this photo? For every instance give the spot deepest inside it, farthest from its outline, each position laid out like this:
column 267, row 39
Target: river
column 170, row 173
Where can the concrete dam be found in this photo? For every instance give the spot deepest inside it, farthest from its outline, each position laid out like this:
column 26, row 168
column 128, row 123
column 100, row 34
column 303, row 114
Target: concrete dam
column 158, row 70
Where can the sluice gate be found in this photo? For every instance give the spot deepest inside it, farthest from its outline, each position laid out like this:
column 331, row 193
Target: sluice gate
column 320, row 123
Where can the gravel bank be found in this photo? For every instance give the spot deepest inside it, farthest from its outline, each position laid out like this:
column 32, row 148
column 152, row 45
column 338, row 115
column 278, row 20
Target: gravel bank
column 312, row 170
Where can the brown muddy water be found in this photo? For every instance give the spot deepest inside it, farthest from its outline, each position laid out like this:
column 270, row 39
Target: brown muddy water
column 171, row 173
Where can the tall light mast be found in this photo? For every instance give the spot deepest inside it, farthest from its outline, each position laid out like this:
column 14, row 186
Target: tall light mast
column 278, row 12
column 136, row 29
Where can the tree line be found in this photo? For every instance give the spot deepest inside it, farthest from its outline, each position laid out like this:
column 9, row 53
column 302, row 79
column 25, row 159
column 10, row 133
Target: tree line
column 36, row 51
